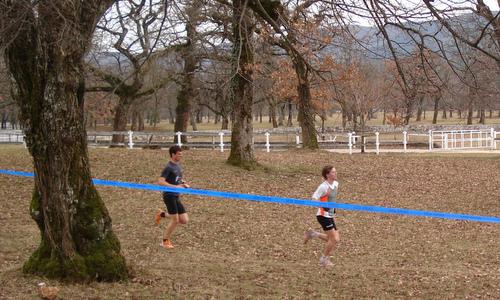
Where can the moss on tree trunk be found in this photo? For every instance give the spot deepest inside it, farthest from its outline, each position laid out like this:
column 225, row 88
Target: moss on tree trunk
column 97, row 254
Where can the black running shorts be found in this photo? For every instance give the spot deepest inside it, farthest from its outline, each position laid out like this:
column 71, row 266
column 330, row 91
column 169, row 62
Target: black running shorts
column 326, row 223
column 174, row 205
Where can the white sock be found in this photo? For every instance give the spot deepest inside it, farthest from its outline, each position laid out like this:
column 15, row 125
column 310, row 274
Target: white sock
column 314, row 234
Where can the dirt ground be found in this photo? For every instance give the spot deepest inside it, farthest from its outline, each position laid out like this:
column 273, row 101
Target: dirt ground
column 249, row 250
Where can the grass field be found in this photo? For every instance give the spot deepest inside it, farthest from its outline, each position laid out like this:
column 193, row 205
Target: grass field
column 249, row 250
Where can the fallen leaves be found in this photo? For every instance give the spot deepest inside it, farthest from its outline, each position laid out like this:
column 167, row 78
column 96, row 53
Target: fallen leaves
column 47, row 292
column 231, row 249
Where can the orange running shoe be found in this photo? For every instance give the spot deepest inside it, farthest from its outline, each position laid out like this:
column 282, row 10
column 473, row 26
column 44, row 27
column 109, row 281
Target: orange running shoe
column 158, row 216
column 167, row 244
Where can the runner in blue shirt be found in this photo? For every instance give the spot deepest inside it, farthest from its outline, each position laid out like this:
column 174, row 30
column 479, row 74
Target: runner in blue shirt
column 171, row 176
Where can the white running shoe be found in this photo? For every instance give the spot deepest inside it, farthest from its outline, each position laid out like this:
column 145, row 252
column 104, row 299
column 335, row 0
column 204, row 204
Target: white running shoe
column 309, row 234
column 325, row 262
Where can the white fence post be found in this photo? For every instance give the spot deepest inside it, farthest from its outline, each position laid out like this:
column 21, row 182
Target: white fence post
column 494, row 135
column 405, row 140
column 267, row 141
column 179, row 143
column 130, row 142
column 221, row 141
column 430, row 140
column 493, row 143
column 377, row 142
column 350, row 143
column 297, row 139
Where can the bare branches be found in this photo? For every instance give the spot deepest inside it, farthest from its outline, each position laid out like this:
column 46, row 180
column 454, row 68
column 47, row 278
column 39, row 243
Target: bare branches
column 15, row 17
column 482, row 10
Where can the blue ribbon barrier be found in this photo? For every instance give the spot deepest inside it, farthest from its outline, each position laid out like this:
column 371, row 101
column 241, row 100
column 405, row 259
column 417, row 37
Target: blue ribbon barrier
column 281, row 200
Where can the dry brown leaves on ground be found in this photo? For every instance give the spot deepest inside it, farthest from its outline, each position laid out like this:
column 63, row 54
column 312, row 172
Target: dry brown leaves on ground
column 250, row 250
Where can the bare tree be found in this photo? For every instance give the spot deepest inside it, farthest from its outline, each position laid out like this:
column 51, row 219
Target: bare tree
column 135, row 29
column 45, row 43
column 276, row 15
column 190, row 57
column 215, row 95
column 448, row 29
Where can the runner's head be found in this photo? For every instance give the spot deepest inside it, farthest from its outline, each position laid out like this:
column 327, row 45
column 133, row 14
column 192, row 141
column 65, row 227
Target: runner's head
column 175, row 153
column 329, row 172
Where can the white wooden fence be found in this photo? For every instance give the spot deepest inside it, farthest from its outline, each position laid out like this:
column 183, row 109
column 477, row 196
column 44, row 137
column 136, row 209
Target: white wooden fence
column 462, row 139
column 282, row 139
column 11, row 136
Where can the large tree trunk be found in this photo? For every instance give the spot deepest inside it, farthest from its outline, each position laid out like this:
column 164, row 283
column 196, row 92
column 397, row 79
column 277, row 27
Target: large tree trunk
column 420, row 108
column 344, row 116
column 242, row 154
column 355, row 121
column 199, row 116
column 46, row 62
column 436, row 109
column 470, row 113
column 306, row 121
column 121, row 119
column 171, row 115
column 224, row 122
column 182, row 111
column 4, row 119
column 272, row 112
column 281, row 114
column 193, row 123
column 155, row 114
column 137, row 123
column 140, row 120
column 482, row 116
column 289, row 121
column 408, row 110
column 470, row 105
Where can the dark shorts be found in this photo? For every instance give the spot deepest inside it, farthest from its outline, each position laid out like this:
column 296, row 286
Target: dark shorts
column 326, row 223
column 174, row 205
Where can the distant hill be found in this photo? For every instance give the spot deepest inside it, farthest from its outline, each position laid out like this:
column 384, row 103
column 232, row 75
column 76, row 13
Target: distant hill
column 373, row 45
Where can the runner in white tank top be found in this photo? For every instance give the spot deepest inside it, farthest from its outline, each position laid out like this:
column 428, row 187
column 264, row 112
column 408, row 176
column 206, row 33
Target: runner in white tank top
column 326, row 192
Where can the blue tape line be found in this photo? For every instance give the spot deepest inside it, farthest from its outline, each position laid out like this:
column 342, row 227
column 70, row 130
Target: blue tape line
column 271, row 199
